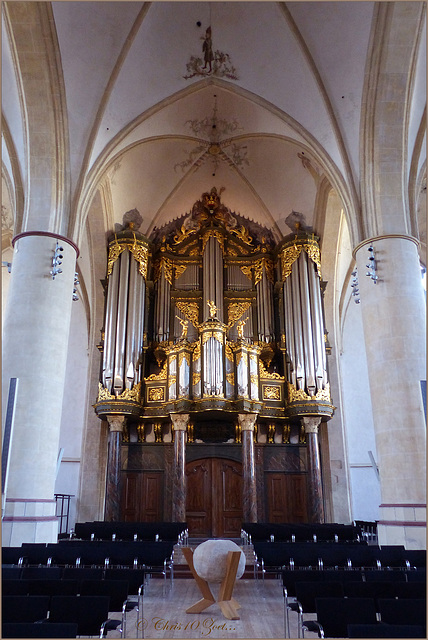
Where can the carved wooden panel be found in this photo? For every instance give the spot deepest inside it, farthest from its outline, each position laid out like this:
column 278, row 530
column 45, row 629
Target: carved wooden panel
column 142, row 496
column 286, row 497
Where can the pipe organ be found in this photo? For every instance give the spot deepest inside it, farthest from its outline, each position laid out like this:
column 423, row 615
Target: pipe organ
column 212, row 319
column 216, row 341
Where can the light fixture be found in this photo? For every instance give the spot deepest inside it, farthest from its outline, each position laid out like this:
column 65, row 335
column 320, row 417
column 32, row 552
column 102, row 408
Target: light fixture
column 354, row 287
column 76, row 282
column 371, row 273
column 56, row 261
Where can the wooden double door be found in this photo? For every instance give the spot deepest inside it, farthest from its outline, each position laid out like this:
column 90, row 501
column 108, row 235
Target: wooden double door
column 214, row 498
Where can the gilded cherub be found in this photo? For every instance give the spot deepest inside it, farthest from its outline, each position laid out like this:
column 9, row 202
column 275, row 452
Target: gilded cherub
column 213, row 308
column 185, row 325
column 240, row 327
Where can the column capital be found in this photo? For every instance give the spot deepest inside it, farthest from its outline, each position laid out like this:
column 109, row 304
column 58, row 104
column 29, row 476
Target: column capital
column 116, row 423
column 247, row 421
column 179, row 421
column 311, row 423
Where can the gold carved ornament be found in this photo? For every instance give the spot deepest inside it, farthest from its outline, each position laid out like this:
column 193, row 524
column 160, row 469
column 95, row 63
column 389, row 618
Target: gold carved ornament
column 164, row 264
column 247, row 271
column 141, row 255
column 322, row 395
column 190, row 310
column 114, row 252
column 196, row 351
column 254, row 378
column 230, row 377
column 258, row 269
column 212, row 233
column 162, row 375
column 183, row 355
column 172, row 380
column 269, row 376
column 183, row 234
column 129, row 394
column 286, row 434
column 179, row 270
column 236, row 310
column 229, row 352
column 196, row 379
column 313, row 252
column 157, row 394
column 289, row 256
column 219, row 336
column 271, row 393
column 243, row 235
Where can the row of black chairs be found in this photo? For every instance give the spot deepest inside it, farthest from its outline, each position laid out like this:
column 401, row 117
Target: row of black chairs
column 353, row 617
column 98, row 529
column 301, row 532
column 275, row 556
column 154, row 557
column 119, row 585
column 89, row 615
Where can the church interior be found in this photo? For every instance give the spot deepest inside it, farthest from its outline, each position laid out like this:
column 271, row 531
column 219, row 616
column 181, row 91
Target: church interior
column 213, row 266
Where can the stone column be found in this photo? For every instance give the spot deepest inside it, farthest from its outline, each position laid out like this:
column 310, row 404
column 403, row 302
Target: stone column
column 393, row 313
column 316, row 503
column 36, row 329
column 179, row 425
column 247, row 422
column 116, row 425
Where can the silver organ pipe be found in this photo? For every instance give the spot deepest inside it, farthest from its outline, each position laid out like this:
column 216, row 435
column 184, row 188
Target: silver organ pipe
column 163, row 299
column 125, row 313
column 110, row 328
column 213, row 276
column 265, row 308
column 304, row 330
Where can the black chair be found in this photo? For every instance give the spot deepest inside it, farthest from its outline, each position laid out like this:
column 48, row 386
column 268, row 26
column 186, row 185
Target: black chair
column 403, row 611
column 14, row 588
column 387, row 576
column 391, row 556
column 290, row 577
column 34, row 630
column 417, row 558
column 24, row 608
column 134, row 577
column 53, row 587
column 373, row 590
column 417, row 575
column 338, row 575
column 306, row 594
column 12, row 555
column 116, row 590
column 82, row 573
column 90, row 613
column 41, row 573
column 36, row 553
column 409, row 590
column 11, row 573
column 382, row 630
column 334, row 615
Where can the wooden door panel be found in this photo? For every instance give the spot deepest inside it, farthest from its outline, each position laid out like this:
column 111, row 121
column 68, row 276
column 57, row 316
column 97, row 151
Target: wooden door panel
column 130, row 497
column 286, row 497
column 214, row 498
column 199, row 501
column 152, row 492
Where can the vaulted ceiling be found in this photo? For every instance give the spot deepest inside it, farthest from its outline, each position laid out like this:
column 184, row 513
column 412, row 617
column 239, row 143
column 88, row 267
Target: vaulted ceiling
column 280, row 109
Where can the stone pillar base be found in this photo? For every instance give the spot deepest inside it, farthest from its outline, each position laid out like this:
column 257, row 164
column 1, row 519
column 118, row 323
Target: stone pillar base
column 29, row 521
column 402, row 524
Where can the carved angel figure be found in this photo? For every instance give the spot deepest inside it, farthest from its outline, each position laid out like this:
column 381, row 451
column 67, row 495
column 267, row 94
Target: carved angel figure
column 213, row 308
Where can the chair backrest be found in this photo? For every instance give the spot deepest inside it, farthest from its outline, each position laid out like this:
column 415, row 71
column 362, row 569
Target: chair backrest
column 14, row 587
column 41, row 573
column 24, row 608
column 307, row 592
column 134, row 577
column 89, row 612
column 373, row 590
column 11, row 573
column 374, row 575
column 53, row 587
column 11, row 555
column 381, row 630
column 116, row 590
column 291, row 577
column 82, row 573
column 334, row 614
column 336, row 575
column 403, row 611
column 409, row 590
column 45, row 630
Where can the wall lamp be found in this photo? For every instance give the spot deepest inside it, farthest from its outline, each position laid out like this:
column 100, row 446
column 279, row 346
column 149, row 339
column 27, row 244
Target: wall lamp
column 372, row 265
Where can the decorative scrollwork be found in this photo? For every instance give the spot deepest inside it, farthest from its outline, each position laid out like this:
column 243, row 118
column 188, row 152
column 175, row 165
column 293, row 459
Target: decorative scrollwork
column 271, row 393
column 162, row 375
column 183, row 355
column 141, row 255
column 269, row 376
column 179, row 270
column 190, row 310
column 104, row 394
column 196, row 351
column 128, row 394
column 230, row 377
column 183, row 234
column 213, row 233
column 196, row 378
column 114, row 252
column 258, row 269
column 313, row 252
column 296, row 394
column 229, row 352
column 247, row 271
column 243, row 235
column 289, row 257
column 236, row 310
